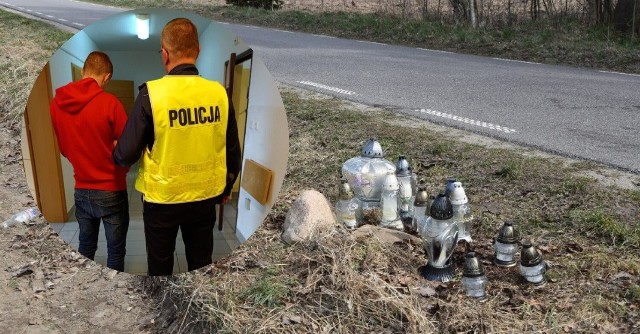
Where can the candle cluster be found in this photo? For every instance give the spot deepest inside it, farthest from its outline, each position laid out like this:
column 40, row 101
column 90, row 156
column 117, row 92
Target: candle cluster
column 375, row 191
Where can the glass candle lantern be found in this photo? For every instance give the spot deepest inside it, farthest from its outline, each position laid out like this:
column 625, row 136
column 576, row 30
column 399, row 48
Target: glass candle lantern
column 439, row 236
column 389, row 203
column 346, row 206
column 420, row 208
column 366, row 174
column 506, row 245
column 532, row 267
column 474, row 280
column 406, row 192
column 461, row 211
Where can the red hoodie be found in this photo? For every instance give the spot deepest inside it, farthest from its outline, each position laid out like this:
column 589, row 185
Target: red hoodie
column 87, row 120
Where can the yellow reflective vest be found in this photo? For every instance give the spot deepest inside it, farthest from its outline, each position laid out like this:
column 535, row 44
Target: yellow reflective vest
column 187, row 162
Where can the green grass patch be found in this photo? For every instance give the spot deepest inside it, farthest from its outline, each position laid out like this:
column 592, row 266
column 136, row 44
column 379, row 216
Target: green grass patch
column 512, row 170
column 26, row 47
column 633, row 293
column 608, row 226
column 267, row 291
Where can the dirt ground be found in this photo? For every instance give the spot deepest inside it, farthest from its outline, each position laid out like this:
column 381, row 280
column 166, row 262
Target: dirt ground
column 46, row 286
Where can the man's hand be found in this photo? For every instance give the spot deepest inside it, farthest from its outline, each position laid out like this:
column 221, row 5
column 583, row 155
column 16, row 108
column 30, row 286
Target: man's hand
column 225, row 199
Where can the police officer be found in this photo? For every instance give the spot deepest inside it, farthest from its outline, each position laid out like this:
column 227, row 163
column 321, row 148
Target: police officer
column 185, row 128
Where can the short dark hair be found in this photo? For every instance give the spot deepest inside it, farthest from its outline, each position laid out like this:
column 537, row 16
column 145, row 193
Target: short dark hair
column 180, row 37
column 98, row 63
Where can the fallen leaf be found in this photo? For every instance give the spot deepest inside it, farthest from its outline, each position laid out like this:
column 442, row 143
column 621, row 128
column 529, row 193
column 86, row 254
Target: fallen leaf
column 288, row 319
column 37, row 286
column 574, row 248
column 427, row 291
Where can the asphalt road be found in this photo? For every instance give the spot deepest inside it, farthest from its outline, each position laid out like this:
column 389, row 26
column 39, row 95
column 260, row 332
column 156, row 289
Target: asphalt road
column 574, row 112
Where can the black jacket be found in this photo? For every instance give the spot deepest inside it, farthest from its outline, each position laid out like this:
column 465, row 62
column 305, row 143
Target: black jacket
column 138, row 132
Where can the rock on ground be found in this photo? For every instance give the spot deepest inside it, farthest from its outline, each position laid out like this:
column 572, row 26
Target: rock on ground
column 309, row 216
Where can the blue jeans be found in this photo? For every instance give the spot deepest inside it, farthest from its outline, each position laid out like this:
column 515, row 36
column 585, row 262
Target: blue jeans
column 112, row 207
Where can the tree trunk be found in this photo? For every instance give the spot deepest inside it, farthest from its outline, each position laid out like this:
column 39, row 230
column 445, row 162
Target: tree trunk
column 425, row 9
column 535, row 9
column 472, row 14
column 624, row 16
column 459, row 11
column 608, row 11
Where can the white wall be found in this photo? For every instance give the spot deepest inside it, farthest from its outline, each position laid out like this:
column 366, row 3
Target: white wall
column 266, row 142
column 217, row 44
column 139, row 66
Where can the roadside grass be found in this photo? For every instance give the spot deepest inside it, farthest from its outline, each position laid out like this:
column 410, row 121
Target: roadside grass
column 548, row 40
column 588, row 235
column 26, row 47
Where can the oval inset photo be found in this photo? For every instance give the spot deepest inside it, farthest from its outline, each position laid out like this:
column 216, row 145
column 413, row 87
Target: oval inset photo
column 156, row 142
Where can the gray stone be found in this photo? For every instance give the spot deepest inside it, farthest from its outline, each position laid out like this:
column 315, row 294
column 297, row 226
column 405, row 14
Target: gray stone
column 385, row 235
column 308, row 217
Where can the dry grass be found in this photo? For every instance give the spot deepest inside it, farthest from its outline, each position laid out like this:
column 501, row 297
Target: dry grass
column 345, row 285
column 26, row 46
column 588, row 234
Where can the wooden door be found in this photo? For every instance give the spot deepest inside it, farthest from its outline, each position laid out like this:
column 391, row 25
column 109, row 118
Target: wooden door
column 237, row 83
column 43, row 151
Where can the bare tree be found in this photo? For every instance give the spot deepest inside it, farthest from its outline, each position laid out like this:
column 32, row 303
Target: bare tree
column 626, row 17
column 459, row 11
column 425, row 9
column 535, row 9
column 472, row 14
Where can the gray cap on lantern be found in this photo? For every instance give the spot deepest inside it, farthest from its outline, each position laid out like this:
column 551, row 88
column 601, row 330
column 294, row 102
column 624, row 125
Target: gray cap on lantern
column 472, row 266
column 508, row 234
column 372, row 149
column 529, row 257
column 422, row 198
column 402, row 166
column 449, row 187
column 441, row 208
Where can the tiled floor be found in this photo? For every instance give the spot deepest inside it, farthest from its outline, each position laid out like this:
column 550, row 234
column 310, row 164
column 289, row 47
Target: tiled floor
column 136, row 259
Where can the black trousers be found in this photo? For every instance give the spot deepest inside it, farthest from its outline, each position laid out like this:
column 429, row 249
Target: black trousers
column 196, row 220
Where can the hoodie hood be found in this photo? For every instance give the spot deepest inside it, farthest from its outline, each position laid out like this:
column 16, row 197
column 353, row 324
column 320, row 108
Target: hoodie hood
column 73, row 97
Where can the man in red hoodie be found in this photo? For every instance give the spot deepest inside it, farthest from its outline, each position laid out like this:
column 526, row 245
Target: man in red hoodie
column 88, row 121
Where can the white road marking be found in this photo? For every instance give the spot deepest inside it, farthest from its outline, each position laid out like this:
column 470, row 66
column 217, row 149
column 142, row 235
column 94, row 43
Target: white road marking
column 280, row 30
column 49, row 16
column 517, row 61
column 78, row 24
column 38, row 13
column 318, row 35
column 62, row 20
column 467, row 120
column 333, row 89
column 423, row 49
column 371, row 42
column 611, row 72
